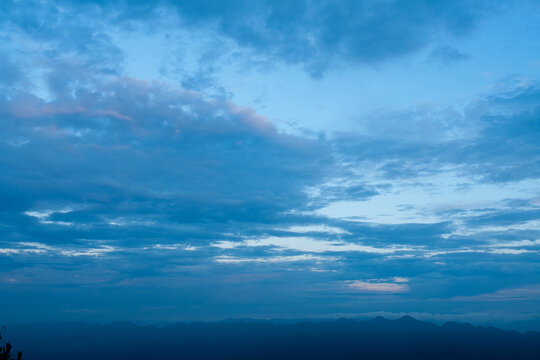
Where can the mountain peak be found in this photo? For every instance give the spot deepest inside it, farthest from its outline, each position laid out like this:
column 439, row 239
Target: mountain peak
column 408, row 319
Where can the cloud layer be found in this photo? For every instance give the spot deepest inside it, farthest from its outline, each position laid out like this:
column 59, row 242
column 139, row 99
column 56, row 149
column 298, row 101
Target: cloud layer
column 151, row 200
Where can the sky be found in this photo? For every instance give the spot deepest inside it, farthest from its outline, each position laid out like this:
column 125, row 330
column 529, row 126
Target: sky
column 205, row 160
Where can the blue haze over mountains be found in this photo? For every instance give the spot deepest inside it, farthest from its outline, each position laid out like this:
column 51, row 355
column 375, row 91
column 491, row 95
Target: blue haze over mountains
column 379, row 338
column 201, row 160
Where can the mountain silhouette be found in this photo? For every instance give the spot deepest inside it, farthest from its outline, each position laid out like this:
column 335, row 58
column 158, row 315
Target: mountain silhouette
column 379, row 338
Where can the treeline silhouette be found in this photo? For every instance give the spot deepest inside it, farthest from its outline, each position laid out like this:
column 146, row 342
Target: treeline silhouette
column 5, row 347
column 379, row 338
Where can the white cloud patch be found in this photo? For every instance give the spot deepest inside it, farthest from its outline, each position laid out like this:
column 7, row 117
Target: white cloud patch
column 104, row 249
column 390, row 285
column 42, row 249
column 273, row 259
column 131, row 221
column 532, row 225
column 11, row 251
column 43, row 216
column 311, row 245
column 321, row 228
column 484, row 249
column 225, row 244
column 37, row 245
column 27, row 248
column 171, row 247
column 434, row 253
column 516, row 243
column 513, row 247
column 510, row 251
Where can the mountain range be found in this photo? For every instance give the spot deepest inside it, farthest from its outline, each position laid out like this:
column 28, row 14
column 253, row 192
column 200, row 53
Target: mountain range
column 378, row 338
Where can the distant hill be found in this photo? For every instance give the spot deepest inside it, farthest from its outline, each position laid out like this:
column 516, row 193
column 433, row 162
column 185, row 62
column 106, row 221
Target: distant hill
column 379, row 338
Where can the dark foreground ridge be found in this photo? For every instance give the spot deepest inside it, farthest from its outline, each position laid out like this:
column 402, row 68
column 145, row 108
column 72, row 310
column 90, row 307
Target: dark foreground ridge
column 379, row 338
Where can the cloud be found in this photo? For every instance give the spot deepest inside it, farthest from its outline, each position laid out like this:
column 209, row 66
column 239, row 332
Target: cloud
column 517, row 243
column 171, row 247
column 43, row 216
column 511, row 251
column 315, row 35
column 103, row 249
column 509, row 294
column 398, row 285
column 35, row 248
column 446, row 55
column 114, row 181
column 307, row 244
column 8, row 251
column 272, row 259
column 322, row 228
column 489, row 144
column 193, row 145
column 318, row 34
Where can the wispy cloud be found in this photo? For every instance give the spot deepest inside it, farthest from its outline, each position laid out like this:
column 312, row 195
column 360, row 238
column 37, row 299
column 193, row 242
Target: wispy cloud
column 43, row 216
column 273, row 259
column 319, row 228
column 308, row 244
column 47, row 250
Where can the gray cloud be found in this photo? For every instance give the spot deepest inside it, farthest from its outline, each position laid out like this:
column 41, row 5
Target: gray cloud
column 314, row 34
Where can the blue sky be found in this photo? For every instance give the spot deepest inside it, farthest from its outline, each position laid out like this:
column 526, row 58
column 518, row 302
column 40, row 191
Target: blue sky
column 202, row 160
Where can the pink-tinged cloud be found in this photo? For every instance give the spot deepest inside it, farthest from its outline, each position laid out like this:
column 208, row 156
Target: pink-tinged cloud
column 112, row 113
column 251, row 119
column 27, row 106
